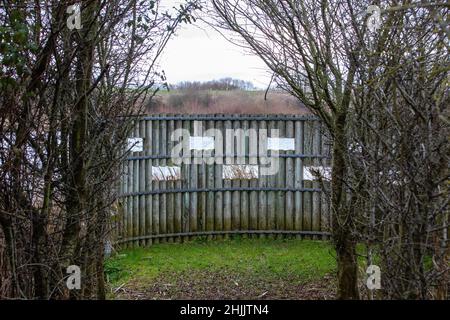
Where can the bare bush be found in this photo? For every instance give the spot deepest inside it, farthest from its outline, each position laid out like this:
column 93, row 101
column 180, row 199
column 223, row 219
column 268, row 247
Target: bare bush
column 66, row 98
column 399, row 166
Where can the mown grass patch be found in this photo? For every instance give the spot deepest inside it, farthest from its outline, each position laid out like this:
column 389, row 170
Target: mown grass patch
column 302, row 260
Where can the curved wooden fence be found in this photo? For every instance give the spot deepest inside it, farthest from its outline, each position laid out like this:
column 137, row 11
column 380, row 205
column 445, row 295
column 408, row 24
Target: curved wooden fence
column 216, row 175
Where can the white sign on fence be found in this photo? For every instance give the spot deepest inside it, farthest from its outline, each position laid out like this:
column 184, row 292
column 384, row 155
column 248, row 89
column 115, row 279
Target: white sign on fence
column 166, row 173
column 308, row 173
column 135, row 144
column 201, row 143
column 240, row 171
column 280, row 144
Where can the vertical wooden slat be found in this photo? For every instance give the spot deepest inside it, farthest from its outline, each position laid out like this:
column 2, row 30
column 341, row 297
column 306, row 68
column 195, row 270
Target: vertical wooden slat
column 298, row 216
column 178, row 201
column 218, row 182
column 186, row 182
column 316, row 162
column 121, row 201
column 202, row 183
column 227, row 183
column 253, row 160
column 130, row 203
column 155, row 184
column 142, row 179
column 210, row 185
column 126, row 204
column 196, row 131
column 307, row 196
column 289, row 182
column 148, row 180
column 243, row 151
column 271, row 183
column 170, row 184
column 262, row 183
column 236, row 183
column 136, row 189
column 163, row 184
column 281, row 183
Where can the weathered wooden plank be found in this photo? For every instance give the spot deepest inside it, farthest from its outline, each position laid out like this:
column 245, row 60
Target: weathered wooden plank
column 142, row 179
column 178, row 200
column 126, row 204
column 202, row 184
column 186, row 179
column 170, row 183
column 271, row 183
column 307, row 196
column 289, row 181
column 242, row 153
column 196, row 130
column 253, row 160
column 130, row 201
column 262, row 160
column 298, row 215
column 218, row 182
column 227, row 183
column 136, row 189
column 280, row 183
column 117, row 224
column 163, row 184
column 236, row 183
column 210, row 166
column 148, row 180
column 317, row 143
column 155, row 184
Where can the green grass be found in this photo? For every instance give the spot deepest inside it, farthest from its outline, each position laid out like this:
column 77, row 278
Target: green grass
column 304, row 260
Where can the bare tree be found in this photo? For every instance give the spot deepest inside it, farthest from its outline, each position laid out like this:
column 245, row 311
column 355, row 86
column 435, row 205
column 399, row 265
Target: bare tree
column 400, row 163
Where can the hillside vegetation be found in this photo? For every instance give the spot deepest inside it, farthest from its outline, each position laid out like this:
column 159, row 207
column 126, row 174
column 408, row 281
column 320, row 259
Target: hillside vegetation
column 226, row 102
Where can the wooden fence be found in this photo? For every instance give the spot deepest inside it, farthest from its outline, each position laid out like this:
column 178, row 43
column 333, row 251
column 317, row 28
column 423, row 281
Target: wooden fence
column 162, row 200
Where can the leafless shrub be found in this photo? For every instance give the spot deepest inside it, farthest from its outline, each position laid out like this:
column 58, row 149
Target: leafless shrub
column 64, row 116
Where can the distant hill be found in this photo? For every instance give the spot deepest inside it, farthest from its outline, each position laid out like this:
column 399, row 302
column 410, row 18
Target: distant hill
column 226, row 102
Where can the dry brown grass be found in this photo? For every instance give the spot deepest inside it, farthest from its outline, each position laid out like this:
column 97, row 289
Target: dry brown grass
column 224, row 102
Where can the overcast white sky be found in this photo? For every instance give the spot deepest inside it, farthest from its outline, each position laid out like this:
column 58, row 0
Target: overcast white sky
column 198, row 52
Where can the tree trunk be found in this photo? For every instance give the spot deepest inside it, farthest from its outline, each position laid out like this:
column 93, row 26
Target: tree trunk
column 76, row 184
column 347, row 269
column 343, row 238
